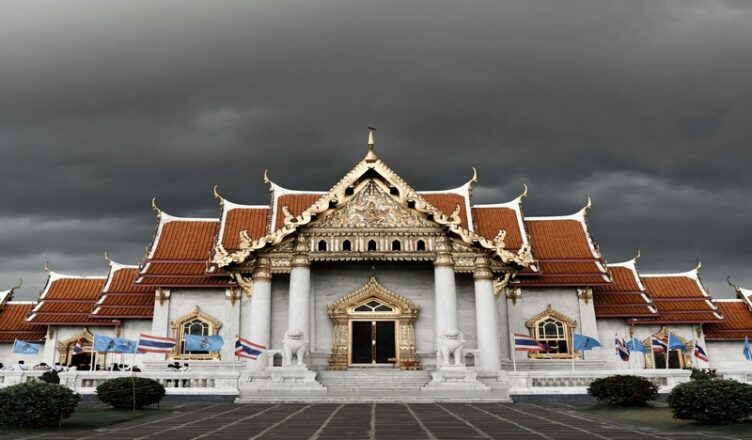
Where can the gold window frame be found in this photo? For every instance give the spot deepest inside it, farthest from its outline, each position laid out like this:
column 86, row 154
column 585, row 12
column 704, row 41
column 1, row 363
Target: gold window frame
column 177, row 327
column 569, row 326
column 685, row 359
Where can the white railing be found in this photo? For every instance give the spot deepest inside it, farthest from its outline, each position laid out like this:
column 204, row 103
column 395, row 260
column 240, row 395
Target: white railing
column 576, row 382
column 744, row 376
column 188, row 383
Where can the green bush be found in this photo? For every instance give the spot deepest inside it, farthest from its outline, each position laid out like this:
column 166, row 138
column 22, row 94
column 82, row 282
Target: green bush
column 36, row 405
column 711, row 402
column 119, row 392
column 623, row 390
column 50, row 377
column 701, row 374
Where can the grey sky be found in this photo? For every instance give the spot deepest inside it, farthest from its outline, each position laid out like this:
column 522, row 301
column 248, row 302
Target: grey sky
column 644, row 105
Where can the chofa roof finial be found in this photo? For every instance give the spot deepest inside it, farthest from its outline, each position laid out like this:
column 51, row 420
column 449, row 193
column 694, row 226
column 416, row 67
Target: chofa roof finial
column 371, row 156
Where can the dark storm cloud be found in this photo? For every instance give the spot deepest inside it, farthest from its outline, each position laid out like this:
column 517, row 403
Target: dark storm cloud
column 642, row 104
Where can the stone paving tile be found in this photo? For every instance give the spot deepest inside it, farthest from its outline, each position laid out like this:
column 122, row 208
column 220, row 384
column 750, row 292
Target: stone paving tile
column 370, row 421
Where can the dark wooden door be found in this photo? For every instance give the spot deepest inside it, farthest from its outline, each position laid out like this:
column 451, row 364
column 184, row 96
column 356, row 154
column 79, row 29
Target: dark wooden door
column 362, row 341
column 385, row 350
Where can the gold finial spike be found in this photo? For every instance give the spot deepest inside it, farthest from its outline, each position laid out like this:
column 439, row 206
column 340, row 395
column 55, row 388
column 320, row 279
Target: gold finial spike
column 371, row 156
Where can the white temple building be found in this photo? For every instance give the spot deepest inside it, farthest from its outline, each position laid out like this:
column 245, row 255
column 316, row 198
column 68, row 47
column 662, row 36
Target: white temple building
column 376, row 281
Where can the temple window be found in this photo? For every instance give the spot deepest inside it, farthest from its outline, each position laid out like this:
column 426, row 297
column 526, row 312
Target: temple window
column 346, row 245
column 371, row 245
column 322, row 245
column 421, row 245
column 373, row 306
column 195, row 323
column 554, row 334
column 396, row 245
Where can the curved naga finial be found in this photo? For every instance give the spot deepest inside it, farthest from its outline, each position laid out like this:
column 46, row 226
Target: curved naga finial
column 699, row 265
column 588, row 205
column 217, row 195
column 524, row 191
column 475, row 176
column 728, row 280
column 47, row 267
column 154, row 206
column 636, row 257
column 20, row 283
column 107, row 256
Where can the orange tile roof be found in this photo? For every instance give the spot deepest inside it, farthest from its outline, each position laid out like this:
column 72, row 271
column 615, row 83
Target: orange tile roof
column 564, row 254
column 13, row 324
column 68, row 300
column 625, row 297
column 737, row 323
column 179, row 256
column 236, row 218
column 679, row 298
column 296, row 204
column 447, row 203
column 488, row 221
column 121, row 298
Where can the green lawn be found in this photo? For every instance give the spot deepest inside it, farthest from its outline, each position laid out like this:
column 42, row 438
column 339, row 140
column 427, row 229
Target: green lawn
column 660, row 418
column 88, row 418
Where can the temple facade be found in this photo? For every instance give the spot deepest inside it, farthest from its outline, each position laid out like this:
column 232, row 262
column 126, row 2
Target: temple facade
column 374, row 273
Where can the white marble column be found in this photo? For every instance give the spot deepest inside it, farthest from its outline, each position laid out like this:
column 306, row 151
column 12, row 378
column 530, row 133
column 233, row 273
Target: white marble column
column 487, row 327
column 445, row 291
column 298, row 312
column 588, row 324
column 260, row 314
column 160, row 322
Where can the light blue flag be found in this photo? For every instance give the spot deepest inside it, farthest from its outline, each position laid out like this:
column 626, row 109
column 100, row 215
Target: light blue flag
column 584, row 343
column 23, row 347
column 674, row 343
column 114, row 345
column 747, row 351
column 203, row 343
column 634, row 344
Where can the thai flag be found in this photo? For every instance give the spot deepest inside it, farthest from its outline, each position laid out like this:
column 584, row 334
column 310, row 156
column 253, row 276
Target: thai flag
column 700, row 353
column 78, row 348
column 155, row 344
column 247, row 349
column 527, row 343
column 659, row 345
column 622, row 349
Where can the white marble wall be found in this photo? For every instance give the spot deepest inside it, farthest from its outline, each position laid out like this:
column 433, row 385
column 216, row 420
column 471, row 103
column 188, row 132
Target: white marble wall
column 727, row 355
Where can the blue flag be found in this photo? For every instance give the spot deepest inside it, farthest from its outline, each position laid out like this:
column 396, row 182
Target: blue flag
column 634, row 344
column 584, row 343
column 114, row 345
column 747, row 351
column 23, row 347
column 203, row 343
column 674, row 343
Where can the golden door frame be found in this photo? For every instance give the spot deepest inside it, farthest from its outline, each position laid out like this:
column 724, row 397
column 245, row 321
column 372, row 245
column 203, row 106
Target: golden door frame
column 404, row 312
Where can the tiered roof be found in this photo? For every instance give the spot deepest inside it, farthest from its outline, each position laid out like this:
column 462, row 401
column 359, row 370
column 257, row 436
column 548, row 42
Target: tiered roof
column 737, row 313
column 237, row 218
column 680, row 298
column 564, row 252
column 121, row 297
column 13, row 323
column 626, row 296
column 180, row 254
column 68, row 300
column 489, row 219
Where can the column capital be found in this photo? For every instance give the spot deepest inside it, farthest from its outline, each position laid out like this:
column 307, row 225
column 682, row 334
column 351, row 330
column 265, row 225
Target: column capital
column 482, row 270
column 300, row 253
column 263, row 270
column 443, row 253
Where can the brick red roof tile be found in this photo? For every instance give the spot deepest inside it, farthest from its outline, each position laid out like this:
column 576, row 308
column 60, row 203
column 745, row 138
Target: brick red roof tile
column 13, row 324
column 179, row 256
column 296, row 204
column 447, row 203
column 489, row 220
column 679, row 298
column 625, row 297
column 122, row 298
column 68, row 300
column 237, row 218
column 736, row 325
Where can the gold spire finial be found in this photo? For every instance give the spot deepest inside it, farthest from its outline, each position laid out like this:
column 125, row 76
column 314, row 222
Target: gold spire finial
column 371, row 156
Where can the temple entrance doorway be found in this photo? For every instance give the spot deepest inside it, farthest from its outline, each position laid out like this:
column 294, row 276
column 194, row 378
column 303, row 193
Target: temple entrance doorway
column 373, row 342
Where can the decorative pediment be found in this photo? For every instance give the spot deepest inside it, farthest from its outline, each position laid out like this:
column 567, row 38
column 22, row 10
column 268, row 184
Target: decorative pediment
column 552, row 313
column 372, row 208
column 196, row 313
column 373, row 292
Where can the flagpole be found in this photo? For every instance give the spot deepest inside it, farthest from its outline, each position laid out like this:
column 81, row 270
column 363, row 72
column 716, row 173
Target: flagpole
column 571, row 334
column 513, row 351
column 668, row 349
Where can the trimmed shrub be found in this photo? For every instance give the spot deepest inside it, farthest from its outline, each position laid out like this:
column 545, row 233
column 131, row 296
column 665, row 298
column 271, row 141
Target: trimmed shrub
column 36, row 405
column 702, row 374
column 120, row 392
column 711, row 402
column 623, row 390
column 50, row 377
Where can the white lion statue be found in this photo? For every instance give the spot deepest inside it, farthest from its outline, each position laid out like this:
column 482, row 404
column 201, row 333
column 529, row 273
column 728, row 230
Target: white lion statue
column 294, row 344
column 452, row 343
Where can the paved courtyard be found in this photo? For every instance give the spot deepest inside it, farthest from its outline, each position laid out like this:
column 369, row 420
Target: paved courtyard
column 369, row 421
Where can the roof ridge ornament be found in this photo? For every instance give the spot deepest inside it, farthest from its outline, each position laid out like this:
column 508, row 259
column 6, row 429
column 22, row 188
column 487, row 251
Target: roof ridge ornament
column 524, row 192
column 217, row 195
column 371, row 156
column 155, row 208
column 47, row 267
column 20, row 283
column 107, row 257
